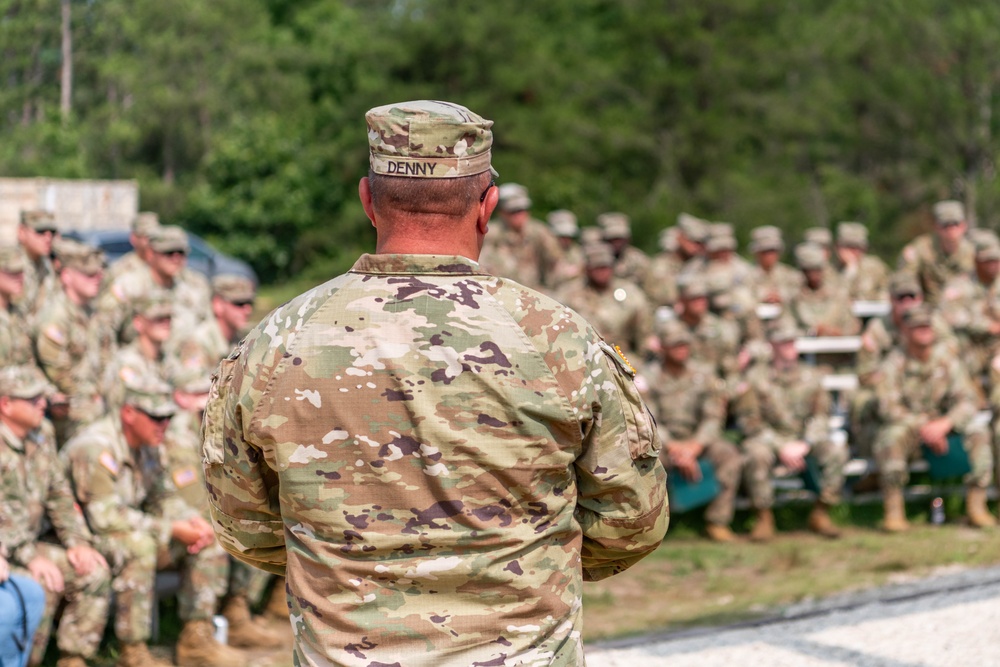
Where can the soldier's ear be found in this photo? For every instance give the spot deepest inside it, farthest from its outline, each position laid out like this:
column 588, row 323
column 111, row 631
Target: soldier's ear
column 365, row 193
column 486, row 208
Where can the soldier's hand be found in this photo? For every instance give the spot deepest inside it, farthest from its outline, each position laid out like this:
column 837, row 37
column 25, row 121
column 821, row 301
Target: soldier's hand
column 46, row 573
column 935, row 434
column 195, row 533
column 85, row 559
column 793, row 455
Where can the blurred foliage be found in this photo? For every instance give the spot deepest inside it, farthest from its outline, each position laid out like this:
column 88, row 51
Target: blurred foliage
column 243, row 119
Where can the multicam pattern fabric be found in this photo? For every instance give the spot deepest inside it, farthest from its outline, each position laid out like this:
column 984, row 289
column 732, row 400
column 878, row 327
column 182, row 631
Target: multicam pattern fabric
column 531, row 256
column 973, row 310
column 620, row 313
column 825, row 311
column 40, row 281
column 779, row 284
column 924, row 257
column 437, row 457
column 632, row 264
column 16, row 348
column 868, row 281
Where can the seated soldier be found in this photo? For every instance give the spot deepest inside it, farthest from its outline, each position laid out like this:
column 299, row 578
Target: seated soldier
column 690, row 409
column 785, row 417
column 114, row 464
column 924, row 393
column 34, row 495
column 819, row 307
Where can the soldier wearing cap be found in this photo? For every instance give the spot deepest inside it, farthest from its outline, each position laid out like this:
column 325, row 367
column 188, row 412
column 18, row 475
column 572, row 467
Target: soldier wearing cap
column 942, row 254
column 70, row 344
column 564, row 225
column 116, row 470
column 616, row 307
column 785, row 416
column 521, row 248
column 143, row 226
column 35, row 235
column 43, row 533
column 630, row 262
column 165, row 269
column 714, row 341
column 689, row 404
column 232, row 306
column 680, row 246
column 924, row 394
column 15, row 341
column 528, row 458
column 822, row 237
column 865, row 276
column 971, row 305
column 772, row 280
column 145, row 356
column 819, row 308
column 728, row 277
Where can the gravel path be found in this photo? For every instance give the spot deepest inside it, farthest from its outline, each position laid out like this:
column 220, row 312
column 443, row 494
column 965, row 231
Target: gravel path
column 950, row 619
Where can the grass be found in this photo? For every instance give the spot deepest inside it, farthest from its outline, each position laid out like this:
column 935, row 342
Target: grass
column 690, row 581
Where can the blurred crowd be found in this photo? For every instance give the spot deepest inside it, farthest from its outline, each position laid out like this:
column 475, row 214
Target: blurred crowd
column 107, row 371
column 718, row 343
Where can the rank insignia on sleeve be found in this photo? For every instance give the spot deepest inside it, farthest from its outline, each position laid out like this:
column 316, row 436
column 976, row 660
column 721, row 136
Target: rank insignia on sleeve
column 619, row 357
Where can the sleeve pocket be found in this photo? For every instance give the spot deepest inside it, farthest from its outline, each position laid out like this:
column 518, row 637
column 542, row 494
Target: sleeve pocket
column 640, row 427
column 213, row 451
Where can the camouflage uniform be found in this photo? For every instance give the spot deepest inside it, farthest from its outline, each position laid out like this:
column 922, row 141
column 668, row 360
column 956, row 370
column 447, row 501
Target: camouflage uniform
column 692, row 405
column 910, row 393
column 118, row 489
column 661, row 278
column 823, row 310
column 972, row 309
column 924, row 257
column 34, row 493
column 70, row 347
column 144, row 224
column 418, row 336
column 781, row 282
column 40, row 278
column 530, row 255
column 785, row 405
column 564, row 225
column 620, row 313
column 15, row 340
column 868, row 280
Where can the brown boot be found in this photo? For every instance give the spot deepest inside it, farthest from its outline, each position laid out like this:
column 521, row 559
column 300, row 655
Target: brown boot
column 820, row 522
column 71, row 661
column 976, row 509
column 763, row 530
column 137, row 655
column 718, row 532
column 895, row 511
column 197, row 647
column 277, row 604
column 245, row 631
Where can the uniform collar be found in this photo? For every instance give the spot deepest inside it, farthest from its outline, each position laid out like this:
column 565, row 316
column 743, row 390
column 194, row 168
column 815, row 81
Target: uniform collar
column 443, row 265
column 14, row 442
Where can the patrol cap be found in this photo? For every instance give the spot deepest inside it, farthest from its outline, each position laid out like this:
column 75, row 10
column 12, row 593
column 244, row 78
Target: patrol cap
column 40, row 221
column 720, row 237
column 82, row 257
column 598, row 255
column 667, row 241
column 151, row 395
column 428, row 139
column 145, row 223
column 987, row 249
column 615, row 225
column 169, row 238
column 918, row 316
column 949, row 211
column 673, row 332
column 852, row 235
column 513, row 197
column 563, row 223
column 11, row 259
column 809, row 256
column 591, row 235
column 154, row 304
column 193, row 381
column 784, row 331
column 765, row 238
column 233, row 288
column 904, row 282
column 692, row 287
column 23, row 381
column 693, row 227
column 821, row 236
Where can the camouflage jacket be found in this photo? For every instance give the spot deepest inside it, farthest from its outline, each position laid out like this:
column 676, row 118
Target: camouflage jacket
column 15, row 339
column 924, row 257
column 868, row 281
column 620, row 313
column 782, row 281
column 912, row 391
column 71, row 347
column 531, row 257
column 127, row 364
column 970, row 307
column 436, row 457
column 113, row 482
column 33, row 487
column 881, row 335
column 790, row 402
column 40, row 282
column 689, row 405
column 661, row 278
column 180, row 491
column 827, row 307
column 204, row 349
column 715, row 344
column 632, row 265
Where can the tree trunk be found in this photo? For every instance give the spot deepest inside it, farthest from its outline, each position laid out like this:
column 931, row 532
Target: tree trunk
column 66, row 94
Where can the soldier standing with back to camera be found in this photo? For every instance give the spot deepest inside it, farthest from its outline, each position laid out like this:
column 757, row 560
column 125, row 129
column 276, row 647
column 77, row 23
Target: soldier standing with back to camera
column 436, row 456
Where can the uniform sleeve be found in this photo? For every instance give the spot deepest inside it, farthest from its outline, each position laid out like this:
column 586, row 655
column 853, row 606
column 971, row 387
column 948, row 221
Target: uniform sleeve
column 621, row 505
column 60, row 504
column 52, row 348
column 817, row 426
column 713, row 415
column 889, row 393
column 242, row 489
column 962, row 397
column 15, row 516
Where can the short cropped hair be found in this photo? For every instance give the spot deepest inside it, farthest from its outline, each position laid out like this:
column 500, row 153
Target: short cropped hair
column 452, row 197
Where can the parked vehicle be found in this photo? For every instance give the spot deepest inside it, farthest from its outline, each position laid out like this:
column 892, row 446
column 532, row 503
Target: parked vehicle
column 203, row 258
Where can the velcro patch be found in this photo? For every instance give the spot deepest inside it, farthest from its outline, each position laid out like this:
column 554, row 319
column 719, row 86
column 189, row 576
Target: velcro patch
column 184, row 477
column 108, row 461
